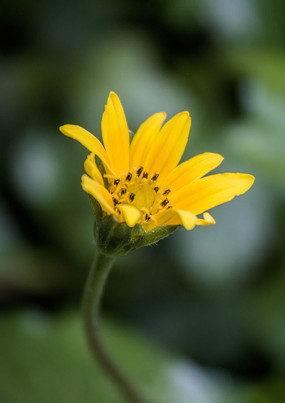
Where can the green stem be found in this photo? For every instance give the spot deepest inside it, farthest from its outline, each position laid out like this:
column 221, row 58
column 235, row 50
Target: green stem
column 91, row 305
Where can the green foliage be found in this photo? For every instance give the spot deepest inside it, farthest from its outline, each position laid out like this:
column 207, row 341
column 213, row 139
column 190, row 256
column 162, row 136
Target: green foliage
column 47, row 361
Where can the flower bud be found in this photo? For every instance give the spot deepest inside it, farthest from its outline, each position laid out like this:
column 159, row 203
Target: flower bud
column 114, row 238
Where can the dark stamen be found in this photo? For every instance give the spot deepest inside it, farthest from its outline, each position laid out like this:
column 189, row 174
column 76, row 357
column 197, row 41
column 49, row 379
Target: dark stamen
column 123, row 191
column 155, row 176
column 169, row 207
column 139, row 171
column 116, row 181
column 156, row 189
column 129, row 176
column 147, row 217
column 115, row 201
column 132, row 196
column 145, row 175
column 166, row 192
column 165, row 202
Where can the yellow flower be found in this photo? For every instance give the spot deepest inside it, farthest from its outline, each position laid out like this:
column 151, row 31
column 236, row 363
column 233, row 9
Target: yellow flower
column 143, row 182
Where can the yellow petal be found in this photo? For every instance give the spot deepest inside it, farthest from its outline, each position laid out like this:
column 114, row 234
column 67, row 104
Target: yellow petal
column 116, row 135
column 92, row 169
column 144, row 139
column 177, row 217
column 206, row 220
column 131, row 214
column 211, row 191
column 87, row 140
column 191, row 170
column 169, row 145
column 99, row 193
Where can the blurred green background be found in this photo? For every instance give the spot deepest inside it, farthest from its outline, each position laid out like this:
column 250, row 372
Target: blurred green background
column 200, row 317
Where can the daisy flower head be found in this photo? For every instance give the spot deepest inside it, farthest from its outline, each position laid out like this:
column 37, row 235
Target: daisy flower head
column 141, row 184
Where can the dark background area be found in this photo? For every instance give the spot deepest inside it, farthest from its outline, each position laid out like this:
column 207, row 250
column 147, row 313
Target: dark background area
column 200, row 316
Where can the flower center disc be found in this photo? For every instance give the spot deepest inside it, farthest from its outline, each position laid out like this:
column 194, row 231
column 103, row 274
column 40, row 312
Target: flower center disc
column 140, row 191
column 144, row 195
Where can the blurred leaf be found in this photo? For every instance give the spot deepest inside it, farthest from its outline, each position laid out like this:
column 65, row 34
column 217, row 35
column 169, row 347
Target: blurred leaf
column 259, row 138
column 263, row 65
column 264, row 315
column 36, row 272
column 46, row 360
column 267, row 392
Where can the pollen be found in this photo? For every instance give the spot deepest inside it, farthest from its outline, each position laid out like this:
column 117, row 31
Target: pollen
column 136, row 189
column 115, row 201
column 129, row 176
column 139, row 171
column 155, row 176
column 165, row 202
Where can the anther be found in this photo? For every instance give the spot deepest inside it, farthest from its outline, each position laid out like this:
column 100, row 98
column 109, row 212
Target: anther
column 169, row 207
column 115, row 201
column 165, row 202
column 129, row 176
column 156, row 189
column 155, row 176
column 123, row 191
column 116, row 181
column 139, row 171
column 147, row 217
column 145, row 175
column 167, row 191
column 132, row 196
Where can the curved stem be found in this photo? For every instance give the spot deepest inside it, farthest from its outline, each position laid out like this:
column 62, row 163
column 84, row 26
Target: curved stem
column 91, row 304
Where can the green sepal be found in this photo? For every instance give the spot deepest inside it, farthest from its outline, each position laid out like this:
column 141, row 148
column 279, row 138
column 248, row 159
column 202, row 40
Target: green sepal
column 114, row 238
column 97, row 210
column 103, row 172
column 140, row 237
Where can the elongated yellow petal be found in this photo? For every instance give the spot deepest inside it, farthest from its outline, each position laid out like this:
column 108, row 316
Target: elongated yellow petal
column 144, row 139
column 177, row 217
column 99, row 193
column 211, row 191
column 87, row 140
column 170, row 144
column 191, row 170
column 131, row 214
column 116, row 135
column 92, row 169
column 206, row 220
